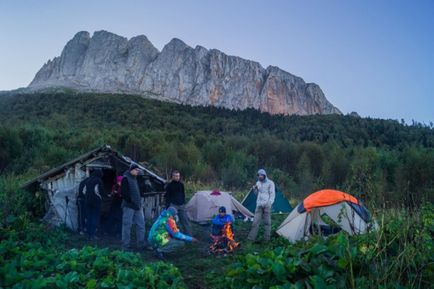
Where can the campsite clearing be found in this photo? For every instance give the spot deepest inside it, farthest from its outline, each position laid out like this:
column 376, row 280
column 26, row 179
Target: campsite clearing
column 340, row 261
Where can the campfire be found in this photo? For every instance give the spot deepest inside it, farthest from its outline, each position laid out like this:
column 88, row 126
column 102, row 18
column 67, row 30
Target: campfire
column 225, row 243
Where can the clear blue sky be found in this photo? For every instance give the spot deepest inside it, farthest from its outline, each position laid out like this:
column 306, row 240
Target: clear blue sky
column 373, row 57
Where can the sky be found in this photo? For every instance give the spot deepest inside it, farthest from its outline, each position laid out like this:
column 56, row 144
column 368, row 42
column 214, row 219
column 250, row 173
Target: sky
column 372, row 57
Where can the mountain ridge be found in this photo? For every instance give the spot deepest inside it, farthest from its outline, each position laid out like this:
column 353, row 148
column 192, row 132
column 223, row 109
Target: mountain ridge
column 106, row 62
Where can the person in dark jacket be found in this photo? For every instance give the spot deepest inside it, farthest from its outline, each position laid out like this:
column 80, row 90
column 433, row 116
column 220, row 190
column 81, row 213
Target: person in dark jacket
column 81, row 205
column 94, row 192
column 114, row 223
column 132, row 209
column 175, row 197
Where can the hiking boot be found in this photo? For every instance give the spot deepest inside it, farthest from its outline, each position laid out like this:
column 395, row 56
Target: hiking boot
column 146, row 246
column 127, row 249
column 159, row 255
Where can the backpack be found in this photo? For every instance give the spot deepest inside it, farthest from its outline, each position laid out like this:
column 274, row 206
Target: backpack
column 93, row 190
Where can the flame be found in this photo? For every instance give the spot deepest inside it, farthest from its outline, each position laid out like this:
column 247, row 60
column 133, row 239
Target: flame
column 227, row 229
column 225, row 243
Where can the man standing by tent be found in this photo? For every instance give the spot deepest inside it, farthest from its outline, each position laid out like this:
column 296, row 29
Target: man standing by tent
column 175, row 197
column 132, row 210
column 265, row 191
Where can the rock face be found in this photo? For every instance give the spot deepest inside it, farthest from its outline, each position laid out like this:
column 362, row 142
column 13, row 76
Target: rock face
column 179, row 73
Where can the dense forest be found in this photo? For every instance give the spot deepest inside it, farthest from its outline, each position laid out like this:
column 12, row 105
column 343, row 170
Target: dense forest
column 382, row 161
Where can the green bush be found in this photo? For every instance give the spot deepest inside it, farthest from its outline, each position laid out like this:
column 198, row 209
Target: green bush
column 400, row 252
column 399, row 255
column 321, row 265
column 34, row 258
column 16, row 203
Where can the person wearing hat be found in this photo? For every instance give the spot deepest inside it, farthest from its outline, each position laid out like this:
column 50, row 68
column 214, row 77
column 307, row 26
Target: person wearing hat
column 265, row 192
column 220, row 220
column 132, row 210
column 165, row 236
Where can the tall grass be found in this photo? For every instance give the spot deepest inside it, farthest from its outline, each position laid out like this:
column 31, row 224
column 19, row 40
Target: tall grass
column 401, row 251
column 16, row 204
column 397, row 255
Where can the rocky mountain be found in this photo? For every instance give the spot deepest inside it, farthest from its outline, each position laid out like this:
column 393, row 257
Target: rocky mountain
column 106, row 62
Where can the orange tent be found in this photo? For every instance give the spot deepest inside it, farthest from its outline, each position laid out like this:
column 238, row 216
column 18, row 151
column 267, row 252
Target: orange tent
column 326, row 198
column 343, row 210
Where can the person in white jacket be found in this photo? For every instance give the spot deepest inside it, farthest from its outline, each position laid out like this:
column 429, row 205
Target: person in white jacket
column 265, row 192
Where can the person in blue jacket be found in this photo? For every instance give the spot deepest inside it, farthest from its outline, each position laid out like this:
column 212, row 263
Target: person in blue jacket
column 220, row 220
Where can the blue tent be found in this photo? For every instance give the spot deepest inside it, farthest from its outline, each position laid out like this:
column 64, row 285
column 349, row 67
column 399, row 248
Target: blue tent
column 280, row 205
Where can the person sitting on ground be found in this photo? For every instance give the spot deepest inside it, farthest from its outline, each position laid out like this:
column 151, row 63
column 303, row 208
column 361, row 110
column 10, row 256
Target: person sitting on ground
column 220, row 220
column 222, row 235
column 165, row 236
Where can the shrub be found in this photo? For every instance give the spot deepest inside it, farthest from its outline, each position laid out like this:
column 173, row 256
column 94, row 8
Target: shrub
column 34, row 259
column 398, row 255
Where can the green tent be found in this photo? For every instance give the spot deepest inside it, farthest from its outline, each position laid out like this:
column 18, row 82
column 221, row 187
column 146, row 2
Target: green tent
column 280, row 205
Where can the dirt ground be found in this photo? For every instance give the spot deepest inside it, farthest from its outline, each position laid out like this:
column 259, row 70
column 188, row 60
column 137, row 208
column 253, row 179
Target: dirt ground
column 198, row 268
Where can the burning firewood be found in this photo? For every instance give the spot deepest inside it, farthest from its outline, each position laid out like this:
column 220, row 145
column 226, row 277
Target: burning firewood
column 224, row 243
